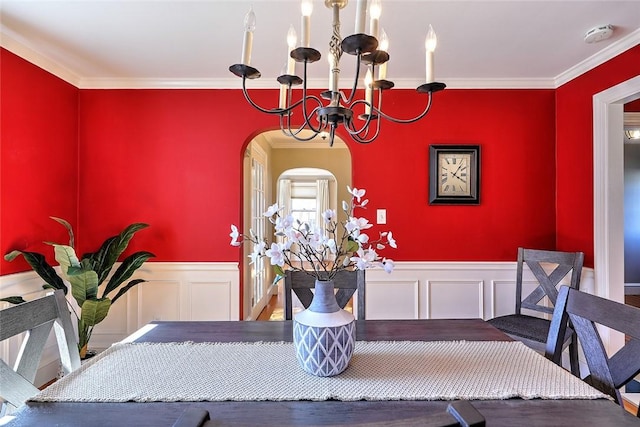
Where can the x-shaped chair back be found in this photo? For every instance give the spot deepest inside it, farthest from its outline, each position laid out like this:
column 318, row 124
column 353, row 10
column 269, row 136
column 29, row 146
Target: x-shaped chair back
column 548, row 280
column 585, row 311
column 36, row 318
column 346, row 283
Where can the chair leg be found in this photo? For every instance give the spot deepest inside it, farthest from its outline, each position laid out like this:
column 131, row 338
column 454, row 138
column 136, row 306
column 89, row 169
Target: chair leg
column 573, row 357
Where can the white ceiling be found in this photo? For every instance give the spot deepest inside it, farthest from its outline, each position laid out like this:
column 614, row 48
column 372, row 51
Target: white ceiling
column 171, row 43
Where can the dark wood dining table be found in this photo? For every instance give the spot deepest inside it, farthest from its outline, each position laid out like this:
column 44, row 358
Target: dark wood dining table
column 507, row 413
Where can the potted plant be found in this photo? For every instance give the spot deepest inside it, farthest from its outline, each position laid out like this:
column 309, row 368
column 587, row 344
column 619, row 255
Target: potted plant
column 86, row 275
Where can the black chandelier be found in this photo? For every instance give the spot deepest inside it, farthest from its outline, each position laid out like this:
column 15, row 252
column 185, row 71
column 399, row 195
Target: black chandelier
column 336, row 107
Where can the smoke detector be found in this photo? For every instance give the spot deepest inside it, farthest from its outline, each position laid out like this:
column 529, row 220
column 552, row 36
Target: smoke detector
column 597, row 34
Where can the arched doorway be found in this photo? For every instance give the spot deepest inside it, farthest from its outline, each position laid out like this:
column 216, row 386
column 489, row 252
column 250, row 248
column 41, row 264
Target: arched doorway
column 267, row 156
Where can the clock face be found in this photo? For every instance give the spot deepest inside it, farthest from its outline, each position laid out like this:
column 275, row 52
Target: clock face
column 454, row 174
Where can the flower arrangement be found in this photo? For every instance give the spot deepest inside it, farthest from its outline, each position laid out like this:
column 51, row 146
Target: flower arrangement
column 320, row 251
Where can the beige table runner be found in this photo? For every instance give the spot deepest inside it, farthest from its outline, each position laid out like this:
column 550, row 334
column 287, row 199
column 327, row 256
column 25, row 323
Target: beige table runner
column 403, row 370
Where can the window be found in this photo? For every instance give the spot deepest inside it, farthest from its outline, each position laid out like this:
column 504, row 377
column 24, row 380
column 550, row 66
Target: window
column 304, row 205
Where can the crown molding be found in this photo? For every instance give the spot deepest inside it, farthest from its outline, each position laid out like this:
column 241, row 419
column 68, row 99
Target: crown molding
column 599, row 58
column 160, row 83
column 14, row 43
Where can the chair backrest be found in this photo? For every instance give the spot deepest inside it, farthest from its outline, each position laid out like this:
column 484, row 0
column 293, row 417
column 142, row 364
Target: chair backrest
column 35, row 317
column 346, row 282
column 585, row 311
column 548, row 281
column 460, row 413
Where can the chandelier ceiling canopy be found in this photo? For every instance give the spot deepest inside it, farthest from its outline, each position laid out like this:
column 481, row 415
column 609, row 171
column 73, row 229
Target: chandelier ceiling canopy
column 322, row 115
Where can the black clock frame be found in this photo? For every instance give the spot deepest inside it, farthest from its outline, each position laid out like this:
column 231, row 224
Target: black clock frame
column 474, row 174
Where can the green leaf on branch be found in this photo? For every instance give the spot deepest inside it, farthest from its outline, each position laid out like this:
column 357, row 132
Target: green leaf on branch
column 352, row 246
column 278, row 270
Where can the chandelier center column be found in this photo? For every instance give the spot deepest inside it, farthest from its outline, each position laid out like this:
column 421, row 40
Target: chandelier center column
column 335, row 50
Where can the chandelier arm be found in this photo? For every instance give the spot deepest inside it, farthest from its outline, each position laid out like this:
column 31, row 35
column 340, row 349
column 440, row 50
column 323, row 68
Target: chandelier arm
column 404, row 121
column 294, row 133
column 355, row 81
column 363, row 139
column 253, row 104
column 351, row 128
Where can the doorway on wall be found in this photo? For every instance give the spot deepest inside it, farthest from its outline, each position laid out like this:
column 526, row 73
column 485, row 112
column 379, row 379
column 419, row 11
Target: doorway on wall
column 632, row 206
column 608, row 160
column 269, row 158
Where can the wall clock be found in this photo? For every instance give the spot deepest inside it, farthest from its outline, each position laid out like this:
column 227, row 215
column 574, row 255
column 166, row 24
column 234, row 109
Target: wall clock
column 454, row 174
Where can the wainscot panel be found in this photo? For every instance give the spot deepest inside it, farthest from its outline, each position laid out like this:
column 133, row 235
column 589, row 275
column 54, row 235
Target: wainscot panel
column 211, row 291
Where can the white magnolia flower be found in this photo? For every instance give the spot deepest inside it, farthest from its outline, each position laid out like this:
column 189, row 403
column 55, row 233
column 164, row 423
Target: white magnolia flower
column 387, row 265
column 234, row 236
column 276, row 255
column 271, row 210
column 339, row 245
column 356, row 193
column 284, row 224
column 391, row 240
column 328, row 215
column 258, row 251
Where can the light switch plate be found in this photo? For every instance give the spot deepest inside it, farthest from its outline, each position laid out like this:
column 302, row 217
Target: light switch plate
column 381, row 217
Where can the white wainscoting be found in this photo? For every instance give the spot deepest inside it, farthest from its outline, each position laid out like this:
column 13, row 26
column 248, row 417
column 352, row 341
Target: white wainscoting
column 211, row 291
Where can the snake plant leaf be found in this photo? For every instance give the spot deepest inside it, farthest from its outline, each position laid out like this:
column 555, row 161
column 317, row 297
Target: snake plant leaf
column 125, row 288
column 13, row 300
column 94, row 311
column 38, row 263
column 111, row 249
column 68, row 227
column 129, row 265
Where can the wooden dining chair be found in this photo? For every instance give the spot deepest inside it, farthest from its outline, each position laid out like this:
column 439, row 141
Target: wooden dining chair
column 36, row 318
column 460, row 413
column 193, row 417
column 549, row 268
column 345, row 281
column 606, row 373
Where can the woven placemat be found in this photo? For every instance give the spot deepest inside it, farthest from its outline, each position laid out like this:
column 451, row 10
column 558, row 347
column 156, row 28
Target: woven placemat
column 403, row 370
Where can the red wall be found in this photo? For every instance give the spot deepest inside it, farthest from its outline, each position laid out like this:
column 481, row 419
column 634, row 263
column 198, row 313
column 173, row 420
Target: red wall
column 38, row 158
column 173, row 158
column 574, row 139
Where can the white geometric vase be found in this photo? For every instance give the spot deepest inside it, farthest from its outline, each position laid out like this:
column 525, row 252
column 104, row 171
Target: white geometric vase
column 324, row 334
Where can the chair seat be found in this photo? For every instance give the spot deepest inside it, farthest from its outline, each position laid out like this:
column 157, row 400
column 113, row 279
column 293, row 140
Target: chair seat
column 527, row 327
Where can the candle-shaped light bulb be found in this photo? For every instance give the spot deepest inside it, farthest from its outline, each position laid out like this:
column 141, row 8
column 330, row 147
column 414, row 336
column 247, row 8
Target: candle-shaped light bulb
column 384, row 46
column 375, row 10
column 283, row 88
column 306, row 7
column 368, row 80
column 247, row 42
column 292, row 39
column 361, row 16
column 430, row 44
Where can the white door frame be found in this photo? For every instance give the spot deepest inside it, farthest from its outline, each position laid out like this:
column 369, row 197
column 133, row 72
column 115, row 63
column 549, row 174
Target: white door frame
column 608, row 197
